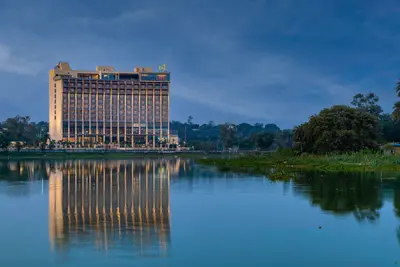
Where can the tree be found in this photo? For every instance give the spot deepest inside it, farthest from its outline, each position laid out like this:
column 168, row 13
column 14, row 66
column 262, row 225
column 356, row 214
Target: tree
column 285, row 138
column 228, row 134
column 396, row 106
column 338, row 129
column 190, row 120
column 52, row 144
column 19, row 145
column 367, row 103
column 21, row 129
column 264, row 140
column 4, row 142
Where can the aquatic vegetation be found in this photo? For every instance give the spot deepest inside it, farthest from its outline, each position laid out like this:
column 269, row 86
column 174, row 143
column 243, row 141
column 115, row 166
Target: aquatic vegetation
column 281, row 176
column 361, row 161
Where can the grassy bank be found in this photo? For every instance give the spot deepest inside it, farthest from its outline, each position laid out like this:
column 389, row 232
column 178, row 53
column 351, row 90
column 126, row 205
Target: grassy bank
column 286, row 160
column 89, row 155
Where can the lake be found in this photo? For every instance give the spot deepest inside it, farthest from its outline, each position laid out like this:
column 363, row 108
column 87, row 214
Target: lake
column 172, row 212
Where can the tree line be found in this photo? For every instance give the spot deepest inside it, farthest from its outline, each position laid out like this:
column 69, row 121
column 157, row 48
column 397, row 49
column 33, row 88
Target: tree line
column 21, row 132
column 343, row 128
column 244, row 136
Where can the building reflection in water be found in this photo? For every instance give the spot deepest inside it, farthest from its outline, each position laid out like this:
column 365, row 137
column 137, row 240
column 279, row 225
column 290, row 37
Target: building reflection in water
column 110, row 204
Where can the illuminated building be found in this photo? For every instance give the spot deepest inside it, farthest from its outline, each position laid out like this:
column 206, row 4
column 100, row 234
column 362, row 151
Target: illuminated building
column 109, row 107
column 109, row 202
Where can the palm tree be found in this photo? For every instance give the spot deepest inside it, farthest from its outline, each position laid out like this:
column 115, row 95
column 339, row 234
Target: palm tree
column 396, row 111
column 396, row 106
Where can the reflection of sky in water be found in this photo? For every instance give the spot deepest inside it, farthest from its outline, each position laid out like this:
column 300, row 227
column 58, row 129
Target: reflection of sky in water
column 217, row 220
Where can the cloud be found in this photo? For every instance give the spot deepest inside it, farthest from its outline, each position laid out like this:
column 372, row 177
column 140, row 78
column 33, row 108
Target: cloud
column 268, row 60
column 10, row 62
column 125, row 16
column 265, row 87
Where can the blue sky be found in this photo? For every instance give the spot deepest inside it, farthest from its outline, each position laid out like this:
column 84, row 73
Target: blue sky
column 255, row 61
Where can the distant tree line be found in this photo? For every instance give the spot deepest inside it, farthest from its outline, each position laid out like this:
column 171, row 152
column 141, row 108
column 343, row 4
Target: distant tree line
column 22, row 132
column 338, row 129
column 244, row 136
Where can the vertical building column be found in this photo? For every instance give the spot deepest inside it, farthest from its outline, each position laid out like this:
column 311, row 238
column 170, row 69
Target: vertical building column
column 126, row 114
column 111, row 117
column 76, row 116
column 83, row 133
column 140, row 110
column 104, row 116
column 160, row 108
column 118, row 117
column 168, row 111
column 146, row 116
column 97, row 112
column 153, row 117
column 90, row 108
column 132, row 133
column 69, row 117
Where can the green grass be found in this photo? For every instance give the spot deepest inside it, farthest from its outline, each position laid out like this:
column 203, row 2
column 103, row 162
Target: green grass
column 362, row 161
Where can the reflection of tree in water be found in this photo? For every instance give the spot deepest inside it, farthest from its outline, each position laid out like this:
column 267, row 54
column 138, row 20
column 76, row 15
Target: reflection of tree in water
column 396, row 204
column 17, row 173
column 342, row 193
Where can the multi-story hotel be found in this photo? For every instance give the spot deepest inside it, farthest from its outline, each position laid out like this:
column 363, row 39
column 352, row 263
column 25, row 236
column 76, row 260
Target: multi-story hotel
column 109, row 107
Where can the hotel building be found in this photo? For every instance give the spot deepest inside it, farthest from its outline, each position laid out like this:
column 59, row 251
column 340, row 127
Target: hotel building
column 109, row 107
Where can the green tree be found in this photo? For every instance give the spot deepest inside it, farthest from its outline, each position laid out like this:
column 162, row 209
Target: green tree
column 367, row 103
column 338, row 129
column 19, row 145
column 190, row 120
column 228, row 134
column 21, row 129
column 4, row 142
column 263, row 140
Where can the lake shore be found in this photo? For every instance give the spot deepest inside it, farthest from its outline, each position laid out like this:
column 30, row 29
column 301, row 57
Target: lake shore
column 50, row 155
column 346, row 162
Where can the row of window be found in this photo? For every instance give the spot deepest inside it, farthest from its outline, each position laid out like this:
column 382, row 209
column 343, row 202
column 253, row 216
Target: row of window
column 112, row 84
column 86, row 102
column 121, row 87
column 121, row 121
column 115, row 98
column 101, row 110
column 115, row 93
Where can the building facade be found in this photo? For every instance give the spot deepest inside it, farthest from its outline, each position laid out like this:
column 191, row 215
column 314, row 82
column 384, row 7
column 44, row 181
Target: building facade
column 109, row 107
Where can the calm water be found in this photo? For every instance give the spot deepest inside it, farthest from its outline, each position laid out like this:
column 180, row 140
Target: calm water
column 174, row 213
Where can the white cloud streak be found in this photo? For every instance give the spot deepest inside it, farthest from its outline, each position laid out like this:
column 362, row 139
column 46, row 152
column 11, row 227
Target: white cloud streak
column 13, row 63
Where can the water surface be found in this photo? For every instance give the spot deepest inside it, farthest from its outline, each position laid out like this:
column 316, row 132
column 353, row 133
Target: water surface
column 171, row 212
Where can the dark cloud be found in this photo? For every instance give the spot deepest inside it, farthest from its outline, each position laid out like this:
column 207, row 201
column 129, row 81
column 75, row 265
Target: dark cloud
column 267, row 61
